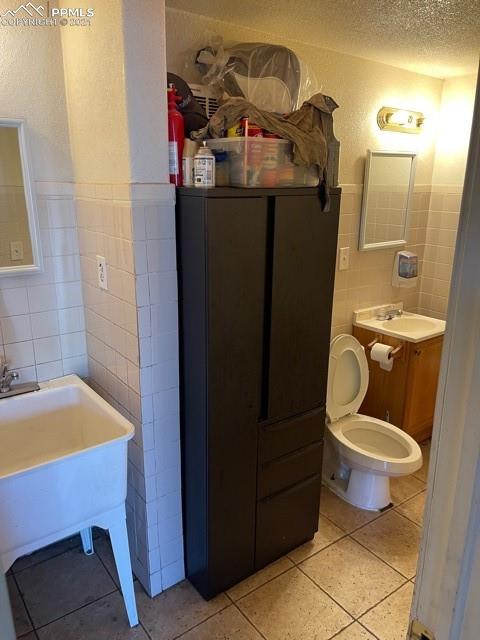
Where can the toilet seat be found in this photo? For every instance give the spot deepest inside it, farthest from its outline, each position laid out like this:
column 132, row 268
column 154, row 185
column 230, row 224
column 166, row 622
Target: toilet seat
column 367, row 443
column 347, row 377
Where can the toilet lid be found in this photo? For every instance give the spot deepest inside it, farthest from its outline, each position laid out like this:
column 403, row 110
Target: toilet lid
column 347, row 377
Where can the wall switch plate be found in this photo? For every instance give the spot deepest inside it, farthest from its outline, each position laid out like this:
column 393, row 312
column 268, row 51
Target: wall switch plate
column 343, row 258
column 16, row 250
column 102, row 272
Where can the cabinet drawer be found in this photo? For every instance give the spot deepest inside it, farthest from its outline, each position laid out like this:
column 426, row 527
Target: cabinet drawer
column 284, row 437
column 286, row 520
column 277, row 475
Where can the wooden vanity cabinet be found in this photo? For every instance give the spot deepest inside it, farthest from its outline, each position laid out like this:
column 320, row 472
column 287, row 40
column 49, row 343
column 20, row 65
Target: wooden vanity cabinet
column 406, row 395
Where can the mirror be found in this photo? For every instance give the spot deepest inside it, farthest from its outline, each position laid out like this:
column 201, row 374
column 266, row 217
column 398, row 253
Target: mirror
column 19, row 236
column 387, row 191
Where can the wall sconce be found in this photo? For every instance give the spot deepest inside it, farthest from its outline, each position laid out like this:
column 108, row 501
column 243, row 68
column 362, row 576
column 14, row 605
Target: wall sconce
column 392, row 119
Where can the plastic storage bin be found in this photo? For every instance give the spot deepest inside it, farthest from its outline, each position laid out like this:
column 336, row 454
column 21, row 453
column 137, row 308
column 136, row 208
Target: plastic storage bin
column 263, row 162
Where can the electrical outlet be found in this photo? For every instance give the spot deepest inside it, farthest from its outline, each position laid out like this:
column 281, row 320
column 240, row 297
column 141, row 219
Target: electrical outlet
column 102, row 272
column 343, row 258
column 16, row 250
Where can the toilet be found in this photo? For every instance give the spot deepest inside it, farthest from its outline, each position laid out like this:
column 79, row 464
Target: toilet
column 361, row 453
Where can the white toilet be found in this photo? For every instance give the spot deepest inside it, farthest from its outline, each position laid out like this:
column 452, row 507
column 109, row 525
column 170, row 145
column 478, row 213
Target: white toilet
column 361, row 453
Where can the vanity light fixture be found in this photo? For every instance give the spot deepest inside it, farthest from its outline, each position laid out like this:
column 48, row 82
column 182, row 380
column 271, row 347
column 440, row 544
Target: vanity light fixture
column 400, row 120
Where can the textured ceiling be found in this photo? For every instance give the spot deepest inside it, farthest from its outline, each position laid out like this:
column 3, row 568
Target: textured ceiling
column 434, row 37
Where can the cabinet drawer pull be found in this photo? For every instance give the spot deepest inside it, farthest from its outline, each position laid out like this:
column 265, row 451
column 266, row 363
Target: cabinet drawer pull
column 418, row 352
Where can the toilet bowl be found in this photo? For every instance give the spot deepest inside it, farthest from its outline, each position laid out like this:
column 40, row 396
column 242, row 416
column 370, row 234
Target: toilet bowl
column 361, row 453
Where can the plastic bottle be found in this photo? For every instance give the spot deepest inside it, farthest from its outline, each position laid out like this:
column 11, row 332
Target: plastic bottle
column 176, row 137
column 204, row 167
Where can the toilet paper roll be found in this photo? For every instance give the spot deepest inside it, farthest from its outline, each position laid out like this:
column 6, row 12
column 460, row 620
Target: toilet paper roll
column 380, row 353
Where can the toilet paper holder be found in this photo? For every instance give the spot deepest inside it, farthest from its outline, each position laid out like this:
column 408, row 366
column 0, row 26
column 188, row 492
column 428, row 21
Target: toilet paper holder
column 396, row 353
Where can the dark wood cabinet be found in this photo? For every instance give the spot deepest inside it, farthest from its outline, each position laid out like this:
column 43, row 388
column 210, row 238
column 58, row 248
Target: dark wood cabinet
column 256, row 272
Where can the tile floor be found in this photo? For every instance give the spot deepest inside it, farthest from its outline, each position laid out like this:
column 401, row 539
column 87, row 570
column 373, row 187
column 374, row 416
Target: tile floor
column 353, row 581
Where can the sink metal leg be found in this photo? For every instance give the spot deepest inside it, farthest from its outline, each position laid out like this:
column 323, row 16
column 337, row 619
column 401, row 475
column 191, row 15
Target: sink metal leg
column 87, row 541
column 121, row 552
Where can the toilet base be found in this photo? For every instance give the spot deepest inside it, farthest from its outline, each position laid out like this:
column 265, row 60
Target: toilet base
column 364, row 490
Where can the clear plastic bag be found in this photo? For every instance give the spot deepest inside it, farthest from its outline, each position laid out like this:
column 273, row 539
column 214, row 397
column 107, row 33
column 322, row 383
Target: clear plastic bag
column 269, row 76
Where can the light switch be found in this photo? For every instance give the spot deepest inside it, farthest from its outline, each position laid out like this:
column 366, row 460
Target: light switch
column 16, row 250
column 343, row 258
column 102, row 272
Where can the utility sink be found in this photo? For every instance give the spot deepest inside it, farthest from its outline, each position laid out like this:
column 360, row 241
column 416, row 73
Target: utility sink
column 411, row 327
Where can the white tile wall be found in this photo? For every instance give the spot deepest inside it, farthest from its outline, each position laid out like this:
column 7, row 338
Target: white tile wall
column 132, row 343
column 443, row 219
column 35, row 337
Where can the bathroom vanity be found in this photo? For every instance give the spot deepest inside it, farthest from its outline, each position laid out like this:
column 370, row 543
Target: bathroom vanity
column 404, row 396
column 256, row 274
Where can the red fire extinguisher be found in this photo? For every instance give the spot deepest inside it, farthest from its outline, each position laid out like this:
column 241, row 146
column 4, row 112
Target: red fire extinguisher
column 176, row 137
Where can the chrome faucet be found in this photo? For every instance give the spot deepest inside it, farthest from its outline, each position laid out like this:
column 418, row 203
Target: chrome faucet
column 389, row 314
column 7, row 389
column 6, row 378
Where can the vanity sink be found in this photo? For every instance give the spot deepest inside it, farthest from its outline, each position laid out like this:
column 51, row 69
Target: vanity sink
column 411, row 327
column 409, row 324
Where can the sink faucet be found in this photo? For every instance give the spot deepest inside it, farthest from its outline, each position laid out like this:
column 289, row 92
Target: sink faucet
column 389, row 314
column 6, row 378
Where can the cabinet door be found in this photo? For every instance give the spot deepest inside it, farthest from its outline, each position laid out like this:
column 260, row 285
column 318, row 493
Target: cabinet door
column 304, row 250
column 236, row 240
column 424, row 367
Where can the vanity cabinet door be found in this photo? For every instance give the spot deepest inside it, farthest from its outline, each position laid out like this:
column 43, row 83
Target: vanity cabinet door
column 421, row 391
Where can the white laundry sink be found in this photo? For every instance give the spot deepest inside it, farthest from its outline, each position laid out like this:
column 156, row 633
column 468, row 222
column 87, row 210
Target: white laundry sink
column 411, row 327
column 63, row 470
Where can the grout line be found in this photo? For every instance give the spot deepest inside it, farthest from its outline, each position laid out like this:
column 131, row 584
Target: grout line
column 328, row 595
column 402, row 575
column 20, row 593
column 56, row 555
column 351, row 625
column 330, row 544
column 407, row 518
column 263, row 583
column 244, row 615
column 368, row 630
column 115, row 582
column 84, row 606
column 140, row 624
column 382, row 600
column 406, row 581
column 201, row 621
column 414, row 495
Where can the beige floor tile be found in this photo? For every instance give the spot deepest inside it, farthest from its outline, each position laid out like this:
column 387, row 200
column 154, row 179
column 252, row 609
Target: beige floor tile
column 405, row 487
column 352, row 576
column 46, row 553
column 414, row 508
column 292, row 607
column 176, row 610
column 394, row 539
column 343, row 514
column 29, row 636
column 354, row 632
column 264, row 575
column 389, row 620
column 422, row 473
column 20, row 616
column 103, row 548
column 326, row 534
column 104, row 619
column 229, row 624
column 62, row 584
